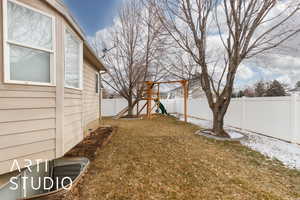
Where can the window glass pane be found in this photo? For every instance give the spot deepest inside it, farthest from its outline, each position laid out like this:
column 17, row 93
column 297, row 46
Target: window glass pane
column 29, row 65
column 72, row 59
column 28, row 27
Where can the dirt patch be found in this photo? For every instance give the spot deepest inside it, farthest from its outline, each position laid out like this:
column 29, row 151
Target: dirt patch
column 130, row 116
column 163, row 159
column 95, row 140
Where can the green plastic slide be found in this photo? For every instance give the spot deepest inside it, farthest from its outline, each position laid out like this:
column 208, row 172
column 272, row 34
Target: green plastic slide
column 161, row 107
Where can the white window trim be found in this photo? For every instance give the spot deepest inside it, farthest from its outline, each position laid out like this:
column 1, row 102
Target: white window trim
column 6, row 42
column 67, row 29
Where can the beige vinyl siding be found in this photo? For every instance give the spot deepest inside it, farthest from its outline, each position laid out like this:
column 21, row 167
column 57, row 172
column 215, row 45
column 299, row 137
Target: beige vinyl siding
column 27, row 116
column 73, row 118
column 27, row 124
column 26, row 102
column 91, row 98
column 44, row 122
column 27, row 138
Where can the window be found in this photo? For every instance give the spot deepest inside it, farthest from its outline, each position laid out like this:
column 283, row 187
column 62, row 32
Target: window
column 29, row 45
column 97, row 83
column 73, row 61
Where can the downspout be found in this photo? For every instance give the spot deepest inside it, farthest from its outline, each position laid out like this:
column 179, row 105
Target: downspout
column 100, row 94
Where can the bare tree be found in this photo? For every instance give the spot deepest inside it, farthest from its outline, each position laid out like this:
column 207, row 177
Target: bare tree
column 245, row 28
column 136, row 46
column 179, row 65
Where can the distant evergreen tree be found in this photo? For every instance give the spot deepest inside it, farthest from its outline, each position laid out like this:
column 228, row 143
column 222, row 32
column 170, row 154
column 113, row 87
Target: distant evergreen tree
column 298, row 84
column 234, row 95
column 275, row 89
column 260, row 89
column 240, row 93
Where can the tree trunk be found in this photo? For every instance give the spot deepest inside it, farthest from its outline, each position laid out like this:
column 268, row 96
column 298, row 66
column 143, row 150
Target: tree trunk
column 130, row 107
column 220, row 103
column 218, row 124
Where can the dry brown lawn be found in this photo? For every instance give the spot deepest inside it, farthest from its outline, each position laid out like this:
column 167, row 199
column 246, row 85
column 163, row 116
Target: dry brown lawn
column 163, row 159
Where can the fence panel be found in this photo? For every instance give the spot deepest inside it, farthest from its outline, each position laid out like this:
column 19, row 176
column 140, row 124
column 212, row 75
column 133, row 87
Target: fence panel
column 199, row 108
column 269, row 116
column 170, row 105
column 108, row 107
column 234, row 115
column 111, row 107
column 297, row 132
column 278, row 117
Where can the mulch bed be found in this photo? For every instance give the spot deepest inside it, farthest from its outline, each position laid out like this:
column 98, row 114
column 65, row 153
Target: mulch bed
column 95, row 140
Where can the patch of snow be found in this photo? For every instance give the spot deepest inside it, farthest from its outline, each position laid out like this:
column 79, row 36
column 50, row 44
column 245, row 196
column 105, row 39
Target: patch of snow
column 287, row 153
column 234, row 134
column 208, row 124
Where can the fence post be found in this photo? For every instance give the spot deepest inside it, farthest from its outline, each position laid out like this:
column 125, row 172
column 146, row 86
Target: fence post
column 243, row 126
column 115, row 107
column 294, row 119
column 100, row 103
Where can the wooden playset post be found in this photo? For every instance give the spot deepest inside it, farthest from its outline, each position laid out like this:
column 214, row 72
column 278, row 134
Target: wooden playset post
column 158, row 94
column 137, row 109
column 185, row 96
column 149, row 98
column 149, row 93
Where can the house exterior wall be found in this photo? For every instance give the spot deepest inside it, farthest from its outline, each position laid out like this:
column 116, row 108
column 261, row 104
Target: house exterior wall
column 91, row 100
column 73, row 118
column 43, row 122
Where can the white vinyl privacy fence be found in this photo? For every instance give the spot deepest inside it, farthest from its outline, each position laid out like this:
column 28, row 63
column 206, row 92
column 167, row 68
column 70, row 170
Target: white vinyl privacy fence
column 111, row 107
column 277, row 117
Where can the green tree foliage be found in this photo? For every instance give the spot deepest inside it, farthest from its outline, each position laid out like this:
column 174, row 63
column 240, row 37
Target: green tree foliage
column 260, row 89
column 240, row 93
column 275, row 88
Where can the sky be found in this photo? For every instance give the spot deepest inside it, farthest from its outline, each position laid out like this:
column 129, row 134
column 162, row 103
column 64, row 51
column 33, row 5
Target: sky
column 93, row 15
column 98, row 16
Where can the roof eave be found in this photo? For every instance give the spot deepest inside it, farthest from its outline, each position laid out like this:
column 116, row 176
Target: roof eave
column 88, row 52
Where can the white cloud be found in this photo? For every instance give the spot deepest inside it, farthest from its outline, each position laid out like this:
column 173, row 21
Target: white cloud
column 282, row 63
column 281, row 66
column 284, row 79
column 244, row 72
